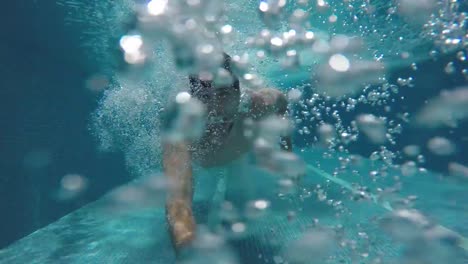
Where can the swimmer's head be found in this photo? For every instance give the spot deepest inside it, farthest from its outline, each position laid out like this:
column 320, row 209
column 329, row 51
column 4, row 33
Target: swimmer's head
column 220, row 99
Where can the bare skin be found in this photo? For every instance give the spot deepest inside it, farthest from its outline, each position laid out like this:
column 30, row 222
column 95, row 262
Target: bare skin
column 177, row 167
column 177, row 160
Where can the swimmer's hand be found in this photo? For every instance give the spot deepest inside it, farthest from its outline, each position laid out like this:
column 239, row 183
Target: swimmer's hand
column 182, row 224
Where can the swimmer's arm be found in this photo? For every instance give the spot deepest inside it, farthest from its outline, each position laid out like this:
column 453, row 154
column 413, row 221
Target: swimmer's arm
column 177, row 167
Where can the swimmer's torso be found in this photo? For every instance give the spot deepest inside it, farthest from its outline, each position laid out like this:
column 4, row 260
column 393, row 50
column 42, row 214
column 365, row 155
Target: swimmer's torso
column 221, row 143
column 223, row 139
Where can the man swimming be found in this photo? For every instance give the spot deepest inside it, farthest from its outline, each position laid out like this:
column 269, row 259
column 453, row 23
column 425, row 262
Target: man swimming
column 223, row 141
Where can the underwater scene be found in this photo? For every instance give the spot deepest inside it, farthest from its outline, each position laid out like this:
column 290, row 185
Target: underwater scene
column 234, row 132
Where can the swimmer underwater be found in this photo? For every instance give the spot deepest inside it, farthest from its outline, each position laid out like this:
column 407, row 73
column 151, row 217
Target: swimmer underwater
column 222, row 142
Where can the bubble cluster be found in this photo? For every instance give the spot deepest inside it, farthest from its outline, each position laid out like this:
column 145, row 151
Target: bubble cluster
column 129, row 115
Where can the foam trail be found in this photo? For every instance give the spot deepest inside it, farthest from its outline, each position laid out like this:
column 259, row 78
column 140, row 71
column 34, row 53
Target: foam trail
column 128, row 118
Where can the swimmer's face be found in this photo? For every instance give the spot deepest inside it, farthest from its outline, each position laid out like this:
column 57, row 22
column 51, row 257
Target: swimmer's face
column 222, row 101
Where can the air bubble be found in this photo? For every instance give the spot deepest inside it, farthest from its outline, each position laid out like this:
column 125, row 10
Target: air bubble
column 256, row 209
column 294, row 95
column 441, row 146
column 271, row 11
column 185, row 120
column 72, row 186
column 326, row 133
column 417, row 11
column 450, row 68
column 157, row 7
column 288, row 164
column 409, row 168
column 373, row 127
column 313, row 247
column 458, row 170
column 412, row 150
column 445, row 110
column 132, row 46
column 342, row 77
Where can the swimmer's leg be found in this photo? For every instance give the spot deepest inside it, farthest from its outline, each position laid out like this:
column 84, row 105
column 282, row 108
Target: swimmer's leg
column 267, row 102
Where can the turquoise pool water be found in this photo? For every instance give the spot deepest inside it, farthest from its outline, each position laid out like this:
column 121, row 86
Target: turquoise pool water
column 111, row 231
column 377, row 111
